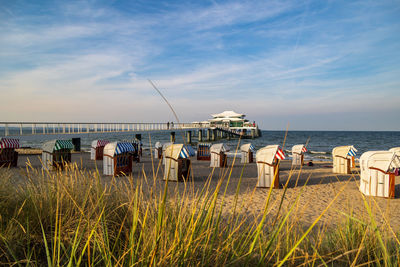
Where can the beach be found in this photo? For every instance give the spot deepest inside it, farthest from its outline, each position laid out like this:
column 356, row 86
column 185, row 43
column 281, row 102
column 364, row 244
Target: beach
column 315, row 186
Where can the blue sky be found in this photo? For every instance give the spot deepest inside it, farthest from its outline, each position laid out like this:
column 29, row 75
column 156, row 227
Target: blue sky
column 315, row 65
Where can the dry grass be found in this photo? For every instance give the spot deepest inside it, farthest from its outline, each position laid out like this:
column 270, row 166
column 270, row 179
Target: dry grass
column 74, row 218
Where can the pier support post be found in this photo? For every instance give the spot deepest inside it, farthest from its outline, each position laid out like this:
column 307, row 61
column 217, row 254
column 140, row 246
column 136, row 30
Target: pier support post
column 189, row 137
column 77, row 144
column 253, row 133
column 213, row 134
column 172, row 137
column 208, row 134
column 139, row 138
column 200, row 135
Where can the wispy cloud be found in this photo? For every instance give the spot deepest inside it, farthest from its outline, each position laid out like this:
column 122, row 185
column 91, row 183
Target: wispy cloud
column 91, row 60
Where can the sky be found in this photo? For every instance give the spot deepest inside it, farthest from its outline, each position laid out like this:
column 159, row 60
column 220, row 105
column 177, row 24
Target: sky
column 306, row 65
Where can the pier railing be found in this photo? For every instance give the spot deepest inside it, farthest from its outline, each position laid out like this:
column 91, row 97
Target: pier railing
column 48, row 128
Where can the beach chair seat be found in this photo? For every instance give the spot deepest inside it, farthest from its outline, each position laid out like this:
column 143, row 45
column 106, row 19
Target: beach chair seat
column 218, row 156
column 8, row 155
column 56, row 154
column 267, row 159
column 377, row 173
column 177, row 162
column 118, row 158
column 247, row 153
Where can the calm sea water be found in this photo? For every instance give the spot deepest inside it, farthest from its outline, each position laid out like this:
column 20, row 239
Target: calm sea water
column 320, row 143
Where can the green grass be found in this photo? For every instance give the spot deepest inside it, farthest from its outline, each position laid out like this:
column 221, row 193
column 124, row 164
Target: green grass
column 74, row 218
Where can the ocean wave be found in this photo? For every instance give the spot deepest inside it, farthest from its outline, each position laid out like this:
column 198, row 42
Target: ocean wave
column 232, row 154
column 318, row 152
column 322, row 157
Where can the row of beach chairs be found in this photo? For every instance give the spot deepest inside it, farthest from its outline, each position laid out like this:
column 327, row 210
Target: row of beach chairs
column 377, row 168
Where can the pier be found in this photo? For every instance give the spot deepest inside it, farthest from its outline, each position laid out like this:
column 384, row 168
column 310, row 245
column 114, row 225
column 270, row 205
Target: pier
column 48, row 128
column 203, row 132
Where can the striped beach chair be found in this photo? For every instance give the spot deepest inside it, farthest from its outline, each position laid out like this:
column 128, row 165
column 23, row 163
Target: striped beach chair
column 247, row 153
column 267, row 165
column 203, row 151
column 177, row 162
column 343, row 159
column 96, row 151
column 218, row 155
column 298, row 155
column 56, row 153
column 8, row 155
column 117, row 158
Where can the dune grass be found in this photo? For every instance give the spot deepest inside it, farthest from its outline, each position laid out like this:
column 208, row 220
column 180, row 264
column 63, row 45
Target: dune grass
column 74, row 217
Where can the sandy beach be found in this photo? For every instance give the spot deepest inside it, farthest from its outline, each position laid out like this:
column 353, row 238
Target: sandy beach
column 321, row 188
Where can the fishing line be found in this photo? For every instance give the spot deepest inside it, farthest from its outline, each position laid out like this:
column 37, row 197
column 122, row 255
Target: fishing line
column 166, row 101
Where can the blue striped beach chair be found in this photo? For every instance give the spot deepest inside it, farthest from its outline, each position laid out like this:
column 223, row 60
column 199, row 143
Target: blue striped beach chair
column 203, row 151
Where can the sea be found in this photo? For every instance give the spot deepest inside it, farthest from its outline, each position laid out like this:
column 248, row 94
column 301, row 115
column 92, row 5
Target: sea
column 319, row 143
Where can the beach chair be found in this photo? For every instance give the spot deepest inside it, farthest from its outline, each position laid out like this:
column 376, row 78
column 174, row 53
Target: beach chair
column 177, row 162
column 267, row 165
column 395, row 150
column 158, row 150
column 247, row 153
column 377, row 173
column 8, row 155
column 56, row 153
column 343, row 159
column 164, row 147
column 218, row 156
column 203, row 151
column 96, row 150
column 117, row 158
column 298, row 155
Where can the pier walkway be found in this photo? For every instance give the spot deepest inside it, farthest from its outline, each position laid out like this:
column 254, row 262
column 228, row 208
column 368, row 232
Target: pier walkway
column 48, row 128
column 202, row 131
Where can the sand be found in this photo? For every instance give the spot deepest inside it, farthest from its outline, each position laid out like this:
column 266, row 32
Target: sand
column 322, row 187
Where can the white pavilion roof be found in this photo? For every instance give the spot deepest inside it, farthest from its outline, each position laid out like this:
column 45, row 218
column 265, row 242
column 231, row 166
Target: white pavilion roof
column 228, row 114
column 225, row 119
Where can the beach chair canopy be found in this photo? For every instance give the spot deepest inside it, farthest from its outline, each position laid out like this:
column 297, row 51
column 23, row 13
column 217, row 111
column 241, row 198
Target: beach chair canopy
column 395, row 150
column 247, row 147
column 99, row 143
column 189, row 151
column 157, row 145
column 55, row 145
column 116, row 148
column 344, row 151
column 267, row 154
column 381, row 160
column 9, row 143
column 218, row 148
column 204, row 144
column 298, row 149
column 177, row 151
column 133, row 141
